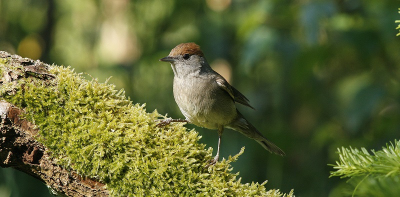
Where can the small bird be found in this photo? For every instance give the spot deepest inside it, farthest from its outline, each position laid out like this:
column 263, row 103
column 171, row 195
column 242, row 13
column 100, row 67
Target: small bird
column 206, row 99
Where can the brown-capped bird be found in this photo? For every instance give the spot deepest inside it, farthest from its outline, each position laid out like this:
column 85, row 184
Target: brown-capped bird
column 206, row 99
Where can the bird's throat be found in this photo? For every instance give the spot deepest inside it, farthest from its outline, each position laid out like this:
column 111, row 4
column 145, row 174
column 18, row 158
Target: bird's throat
column 174, row 70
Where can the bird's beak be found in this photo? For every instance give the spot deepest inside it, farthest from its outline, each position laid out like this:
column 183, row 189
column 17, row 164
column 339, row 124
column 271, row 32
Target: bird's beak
column 167, row 59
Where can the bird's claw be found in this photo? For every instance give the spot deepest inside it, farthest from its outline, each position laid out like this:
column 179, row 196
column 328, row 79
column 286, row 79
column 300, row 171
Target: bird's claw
column 212, row 161
column 164, row 122
column 168, row 121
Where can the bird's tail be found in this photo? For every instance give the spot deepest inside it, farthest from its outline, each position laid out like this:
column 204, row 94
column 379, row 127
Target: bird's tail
column 246, row 128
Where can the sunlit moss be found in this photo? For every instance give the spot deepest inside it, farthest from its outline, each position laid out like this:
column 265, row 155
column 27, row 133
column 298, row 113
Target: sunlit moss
column 95, row 130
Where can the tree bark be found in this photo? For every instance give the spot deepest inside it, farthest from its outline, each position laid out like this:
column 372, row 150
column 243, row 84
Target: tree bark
column 20, row 150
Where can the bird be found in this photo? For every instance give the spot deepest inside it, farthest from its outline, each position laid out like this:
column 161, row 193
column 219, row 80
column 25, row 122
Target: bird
column 206, row 99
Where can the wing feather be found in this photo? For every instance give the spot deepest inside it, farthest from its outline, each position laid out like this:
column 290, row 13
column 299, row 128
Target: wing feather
column 233, row 92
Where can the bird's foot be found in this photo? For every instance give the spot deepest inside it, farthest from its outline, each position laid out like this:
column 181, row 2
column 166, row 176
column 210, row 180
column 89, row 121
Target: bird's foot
column 212, row 161
column 168, row 121
column 164, row 122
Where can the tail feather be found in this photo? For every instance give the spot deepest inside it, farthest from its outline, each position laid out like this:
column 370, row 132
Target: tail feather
column 271, row 147
column 243, row 126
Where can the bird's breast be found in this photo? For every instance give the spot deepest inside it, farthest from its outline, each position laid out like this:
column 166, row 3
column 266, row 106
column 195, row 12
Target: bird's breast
column 203, row 102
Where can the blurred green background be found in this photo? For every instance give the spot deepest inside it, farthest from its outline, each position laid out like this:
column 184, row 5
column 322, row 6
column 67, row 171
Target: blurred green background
column 321, row 74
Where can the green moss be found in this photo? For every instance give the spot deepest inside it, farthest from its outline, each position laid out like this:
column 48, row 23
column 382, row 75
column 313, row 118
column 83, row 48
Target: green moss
column 94, row 129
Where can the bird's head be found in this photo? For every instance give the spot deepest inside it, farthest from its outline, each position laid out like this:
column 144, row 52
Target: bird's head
column 186, row 58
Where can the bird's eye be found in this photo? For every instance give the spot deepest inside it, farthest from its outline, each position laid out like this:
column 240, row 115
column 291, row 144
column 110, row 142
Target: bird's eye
column 186, row 56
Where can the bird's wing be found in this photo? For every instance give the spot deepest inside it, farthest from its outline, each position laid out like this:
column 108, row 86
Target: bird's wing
column 233, row 92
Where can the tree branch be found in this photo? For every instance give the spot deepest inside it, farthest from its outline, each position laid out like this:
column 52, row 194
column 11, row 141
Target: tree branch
column 20, row 150
column 61, row 128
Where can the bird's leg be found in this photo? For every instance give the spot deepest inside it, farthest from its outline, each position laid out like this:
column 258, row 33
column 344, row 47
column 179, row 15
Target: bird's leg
column 168, row 121
column 216, row 158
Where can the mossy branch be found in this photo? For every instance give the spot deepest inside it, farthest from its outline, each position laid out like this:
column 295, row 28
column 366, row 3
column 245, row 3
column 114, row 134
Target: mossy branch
column 90, row 129
column 20, row 150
